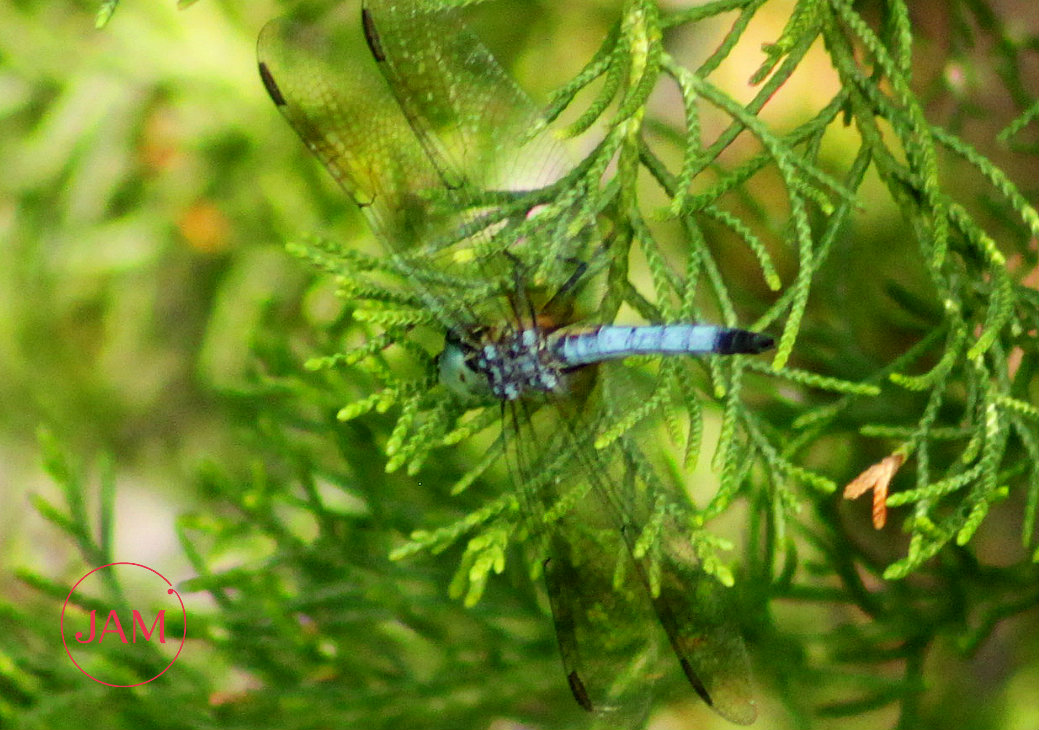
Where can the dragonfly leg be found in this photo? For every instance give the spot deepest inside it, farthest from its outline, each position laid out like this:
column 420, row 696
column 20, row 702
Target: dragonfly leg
column 522, row 306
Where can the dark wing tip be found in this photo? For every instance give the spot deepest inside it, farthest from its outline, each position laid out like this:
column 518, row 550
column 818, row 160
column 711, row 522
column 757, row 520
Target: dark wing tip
column 371, row 36
column 580, row 693
column 270, row 84
column 695, row 681
column 741, row 714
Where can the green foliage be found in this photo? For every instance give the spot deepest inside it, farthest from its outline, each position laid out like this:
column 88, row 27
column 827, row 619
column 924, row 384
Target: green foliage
column 356, row 541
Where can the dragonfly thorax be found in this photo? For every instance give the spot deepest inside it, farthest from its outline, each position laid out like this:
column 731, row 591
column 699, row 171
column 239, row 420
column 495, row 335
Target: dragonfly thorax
column 502, row 364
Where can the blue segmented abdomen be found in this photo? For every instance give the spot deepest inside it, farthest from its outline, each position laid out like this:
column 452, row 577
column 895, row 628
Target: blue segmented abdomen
column 614, row 342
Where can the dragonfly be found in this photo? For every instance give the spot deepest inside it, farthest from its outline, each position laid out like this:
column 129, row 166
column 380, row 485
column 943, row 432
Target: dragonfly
column 438, row 147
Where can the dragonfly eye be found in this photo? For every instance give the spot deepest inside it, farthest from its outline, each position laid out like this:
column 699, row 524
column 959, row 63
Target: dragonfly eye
column 457, row 373
column 453, row 338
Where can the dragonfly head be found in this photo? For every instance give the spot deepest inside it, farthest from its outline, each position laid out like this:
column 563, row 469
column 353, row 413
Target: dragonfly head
column 457, row 373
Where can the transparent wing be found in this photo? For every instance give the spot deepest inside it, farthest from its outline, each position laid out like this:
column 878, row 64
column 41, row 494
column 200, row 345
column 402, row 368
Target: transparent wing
column 623, row 616
column 471, row 117
column 693, row 608
column 695, row 615
column 416, row 120
column 322, row 78
column 606, row 632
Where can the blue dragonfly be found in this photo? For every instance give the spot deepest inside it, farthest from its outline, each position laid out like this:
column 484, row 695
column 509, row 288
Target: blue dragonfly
column 477, row 211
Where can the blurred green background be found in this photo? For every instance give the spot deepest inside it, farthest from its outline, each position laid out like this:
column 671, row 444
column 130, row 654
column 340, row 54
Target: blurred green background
column 147, row 189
